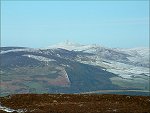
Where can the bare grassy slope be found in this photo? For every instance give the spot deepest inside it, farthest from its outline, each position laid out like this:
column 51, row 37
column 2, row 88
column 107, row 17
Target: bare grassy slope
column 79, row 103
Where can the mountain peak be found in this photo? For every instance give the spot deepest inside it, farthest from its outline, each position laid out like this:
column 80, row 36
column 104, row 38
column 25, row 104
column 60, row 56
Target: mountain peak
column 66, row 45
column 69, row 43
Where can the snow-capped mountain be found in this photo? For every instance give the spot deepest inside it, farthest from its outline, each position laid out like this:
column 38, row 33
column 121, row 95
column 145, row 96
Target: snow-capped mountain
column 124, row 62
column 73, row 68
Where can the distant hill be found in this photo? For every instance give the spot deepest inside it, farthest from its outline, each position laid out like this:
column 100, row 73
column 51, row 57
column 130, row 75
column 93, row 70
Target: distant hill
column 73, row 68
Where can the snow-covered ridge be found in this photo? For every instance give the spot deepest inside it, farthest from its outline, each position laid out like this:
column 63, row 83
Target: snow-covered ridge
column 140, row 51
column 73, row 46
column 18, row 50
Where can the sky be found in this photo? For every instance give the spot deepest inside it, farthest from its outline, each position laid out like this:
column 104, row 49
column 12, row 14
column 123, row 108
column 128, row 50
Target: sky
column 37, row 24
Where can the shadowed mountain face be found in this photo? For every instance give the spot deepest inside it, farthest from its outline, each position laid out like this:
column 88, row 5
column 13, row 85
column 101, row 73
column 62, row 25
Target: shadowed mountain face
column 61, row 70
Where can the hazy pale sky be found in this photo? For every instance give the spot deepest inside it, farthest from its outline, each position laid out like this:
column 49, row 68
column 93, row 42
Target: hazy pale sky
column 44, row 23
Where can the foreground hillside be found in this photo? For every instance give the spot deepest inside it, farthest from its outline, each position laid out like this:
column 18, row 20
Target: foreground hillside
column 79, row 103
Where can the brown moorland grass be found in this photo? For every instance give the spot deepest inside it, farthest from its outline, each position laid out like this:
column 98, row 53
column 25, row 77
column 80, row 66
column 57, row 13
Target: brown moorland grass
column 77, row 103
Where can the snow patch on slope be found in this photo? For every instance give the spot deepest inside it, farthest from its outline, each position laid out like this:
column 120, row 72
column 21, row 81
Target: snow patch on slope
column 9, row 110
column 40, row 58
column 125, row 70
